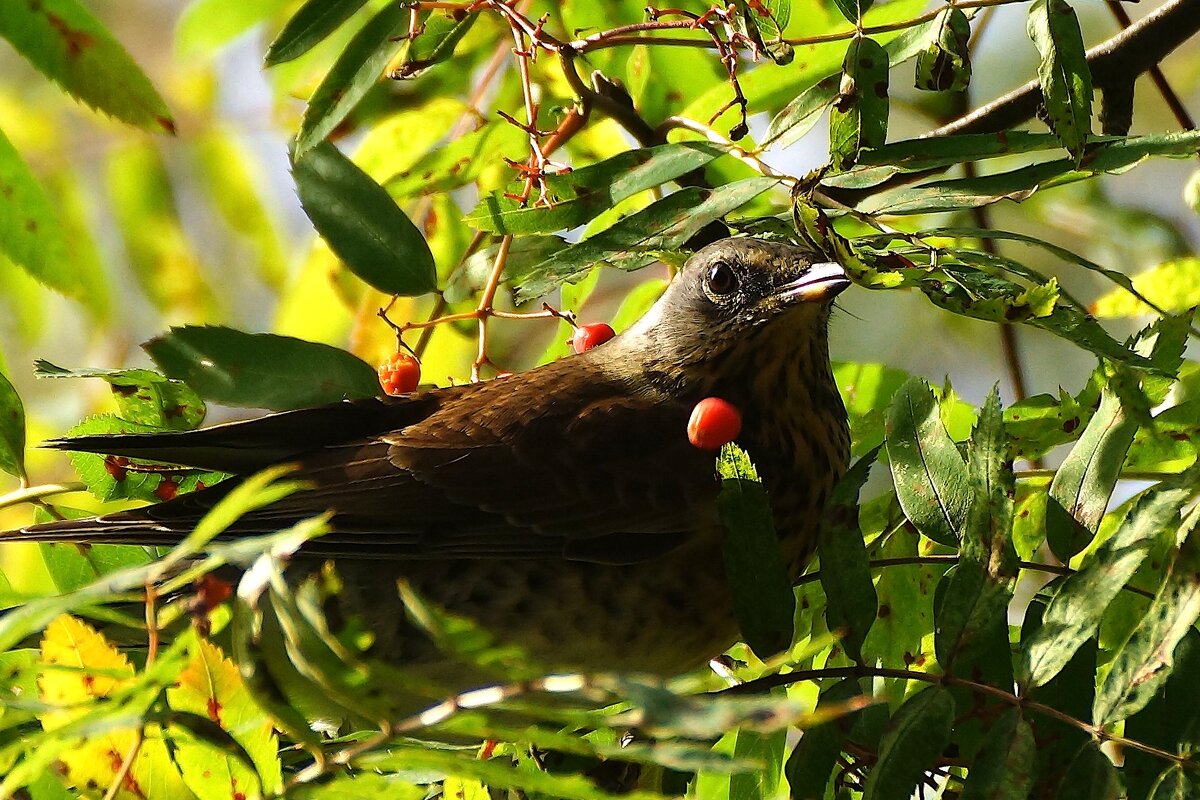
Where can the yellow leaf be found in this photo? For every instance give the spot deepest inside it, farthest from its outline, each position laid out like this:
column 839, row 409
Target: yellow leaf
column 1172, row 285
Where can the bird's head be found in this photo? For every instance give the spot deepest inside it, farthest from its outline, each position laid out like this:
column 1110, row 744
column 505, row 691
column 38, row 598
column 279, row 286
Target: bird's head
column 741, row 299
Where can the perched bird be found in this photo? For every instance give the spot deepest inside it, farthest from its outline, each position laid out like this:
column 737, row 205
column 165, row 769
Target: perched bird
column 563, row 508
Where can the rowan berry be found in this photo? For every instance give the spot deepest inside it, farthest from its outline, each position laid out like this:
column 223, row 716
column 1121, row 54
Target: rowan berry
column 714, row 422
column 588, row 336
column 400, row 374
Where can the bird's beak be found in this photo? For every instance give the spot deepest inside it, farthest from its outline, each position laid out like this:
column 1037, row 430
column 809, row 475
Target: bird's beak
column 821, row 282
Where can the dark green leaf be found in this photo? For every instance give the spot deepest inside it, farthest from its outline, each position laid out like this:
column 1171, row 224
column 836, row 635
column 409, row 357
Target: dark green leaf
column 142, row 396
column 1170, row 721
column 912, row 743
column 73, row 566
column 1145, row 660
column 311, row 23
column 859, row 116
column 632, row 242
column 1073, row 616
column 1064, row 73
column 357, row 69
column 814, row 757
column 595, row 188
column 1175, row 784
column 1083, row 483
column 853, row 9
column 929, row 474
column 362, row 224
column 845, row 567
column 973, row 612
column 945, row 65
column 12, row 429
column 1003, row 770
column 260, row 370
column 74, row 49
column 763, row 602
column 439, row 36
column 1091, row 776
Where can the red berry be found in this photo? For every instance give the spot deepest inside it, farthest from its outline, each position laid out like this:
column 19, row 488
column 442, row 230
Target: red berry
column 714, row 422
column 588, row 336
column 400, row 374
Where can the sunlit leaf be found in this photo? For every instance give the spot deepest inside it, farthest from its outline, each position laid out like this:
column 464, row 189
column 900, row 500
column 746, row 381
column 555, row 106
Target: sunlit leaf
column 859, row 116
column 31, row 233
column 12, row 429
column 311, row 23
column 1065, row 77
column 208, row 25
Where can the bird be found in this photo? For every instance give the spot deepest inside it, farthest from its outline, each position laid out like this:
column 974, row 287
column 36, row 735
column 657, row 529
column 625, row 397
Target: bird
column 563, row 509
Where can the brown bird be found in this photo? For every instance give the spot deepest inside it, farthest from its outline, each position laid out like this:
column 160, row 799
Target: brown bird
column 564, row 508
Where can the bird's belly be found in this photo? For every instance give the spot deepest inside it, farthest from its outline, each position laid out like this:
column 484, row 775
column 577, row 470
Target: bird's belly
column 664, row 616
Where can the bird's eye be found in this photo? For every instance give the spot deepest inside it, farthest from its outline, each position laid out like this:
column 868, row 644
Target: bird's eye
column 721, row 279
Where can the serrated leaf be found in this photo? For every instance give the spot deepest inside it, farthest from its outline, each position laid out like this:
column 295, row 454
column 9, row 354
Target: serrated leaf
column 1145, row 660
column 311, row 23
column 143, row 396
column 260, row 370
column 973, row 612
column 74, row 49
column 592, row 189
column 912, row 743
column 81, row 668
column 1066, row 79
column 632, row 242
column 1074, row 614
column 359, row 67
column 763, row 602
column 1085, row 480
column 12, row 429
column 929, row 474
column 210, row 686
column 362, row 224
column 859, row 116
column 845, row 568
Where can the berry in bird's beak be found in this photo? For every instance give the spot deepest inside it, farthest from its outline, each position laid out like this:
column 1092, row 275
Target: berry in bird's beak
column 820, row 282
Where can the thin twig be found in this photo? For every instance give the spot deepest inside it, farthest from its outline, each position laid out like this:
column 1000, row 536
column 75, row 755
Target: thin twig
column 31, row 494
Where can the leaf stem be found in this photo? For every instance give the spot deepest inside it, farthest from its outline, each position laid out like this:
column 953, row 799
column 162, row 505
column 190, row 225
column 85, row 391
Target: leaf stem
column 32, row 494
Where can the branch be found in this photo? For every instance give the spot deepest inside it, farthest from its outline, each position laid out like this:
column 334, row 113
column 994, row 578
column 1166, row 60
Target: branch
column 1133, row 51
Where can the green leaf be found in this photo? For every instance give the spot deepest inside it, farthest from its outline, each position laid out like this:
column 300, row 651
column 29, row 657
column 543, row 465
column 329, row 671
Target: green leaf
column 912, row 743
column 1003, row 770
column 440, row 34
column 592, row 189
column 74, row 49
column 142, row 396
column 930, row 476
column 1074, row 614
column 311, row 23
column 845, row 568
column 867, row 390
column 664, row 225
column 357, row 69
column 1170, row 721
column 765, row 749
column 30, row 231
column 260, row 370
column 1175, row 784
column 1085, row 480
column 1091, row 776
column 1065, row 76
column 814, row 757
column 460, row 161
column 800, row 115
column 208, row 25
column 361, row 786
column 72, row 567
column 945, row 65
column 859, row 116
column 763, row 602
column 853, row 9
column 362, row 224
column 12, row 430
column 973, row 611
column 1145, row 660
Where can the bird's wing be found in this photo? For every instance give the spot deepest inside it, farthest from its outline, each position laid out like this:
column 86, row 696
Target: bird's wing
column 542, row 467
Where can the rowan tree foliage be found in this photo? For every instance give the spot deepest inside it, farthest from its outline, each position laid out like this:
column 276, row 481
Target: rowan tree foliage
column 1005, row 597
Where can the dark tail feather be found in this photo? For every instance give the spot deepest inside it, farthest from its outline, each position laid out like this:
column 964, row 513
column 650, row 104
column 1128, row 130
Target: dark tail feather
column 250, row 445
column 109, row 529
